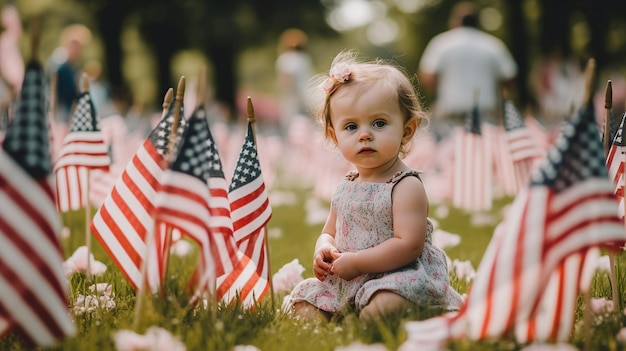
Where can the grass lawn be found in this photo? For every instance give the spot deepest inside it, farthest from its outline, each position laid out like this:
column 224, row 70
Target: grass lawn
column 223, row 327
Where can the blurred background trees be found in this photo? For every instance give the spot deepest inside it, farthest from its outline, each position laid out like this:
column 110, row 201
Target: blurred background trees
column 145, row 45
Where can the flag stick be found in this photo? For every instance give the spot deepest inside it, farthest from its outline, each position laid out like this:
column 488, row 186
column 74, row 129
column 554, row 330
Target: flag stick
column 587, row 313
column 178, row 101
column 85, row 89
column 150, row 235
column 608, row 105
column 201, row 87
column 167, row 101
column 251, row 120
column 35, row 37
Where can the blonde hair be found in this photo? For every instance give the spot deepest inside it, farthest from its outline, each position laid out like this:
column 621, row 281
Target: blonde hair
column 366, row 74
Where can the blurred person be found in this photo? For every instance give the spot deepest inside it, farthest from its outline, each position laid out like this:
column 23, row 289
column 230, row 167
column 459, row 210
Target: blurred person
column 99, row 89
column 465, row 66
column 11, row 61
column 294, row 68
column 558, row 84
column 65, row 62
column 375, row 253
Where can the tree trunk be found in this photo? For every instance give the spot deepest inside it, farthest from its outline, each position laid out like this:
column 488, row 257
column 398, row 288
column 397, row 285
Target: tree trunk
column 519, row 49
column 223, row 56
column 111, row 18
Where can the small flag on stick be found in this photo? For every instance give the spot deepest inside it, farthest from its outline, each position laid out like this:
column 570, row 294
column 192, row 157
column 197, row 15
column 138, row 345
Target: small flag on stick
column 250, row 209
column 473, row 168
column 525, row 151
column 83, row 149
column 33, row 288
column 126, row 215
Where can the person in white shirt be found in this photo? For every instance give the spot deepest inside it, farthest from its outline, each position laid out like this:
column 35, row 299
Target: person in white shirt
column 294, row 68
column 465, row 67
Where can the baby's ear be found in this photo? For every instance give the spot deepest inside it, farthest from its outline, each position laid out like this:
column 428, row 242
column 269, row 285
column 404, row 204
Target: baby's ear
column 409, row 129
column 331, row 134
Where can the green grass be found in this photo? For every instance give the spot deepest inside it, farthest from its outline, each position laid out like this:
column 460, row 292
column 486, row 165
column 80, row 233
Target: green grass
column 221, row 327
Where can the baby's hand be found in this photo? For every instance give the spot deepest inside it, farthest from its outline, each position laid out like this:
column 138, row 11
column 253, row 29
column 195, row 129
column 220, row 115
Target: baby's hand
column 344, row 265
column 323, row 261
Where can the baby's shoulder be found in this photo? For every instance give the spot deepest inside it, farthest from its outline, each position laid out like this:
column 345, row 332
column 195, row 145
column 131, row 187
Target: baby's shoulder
column 405, row 173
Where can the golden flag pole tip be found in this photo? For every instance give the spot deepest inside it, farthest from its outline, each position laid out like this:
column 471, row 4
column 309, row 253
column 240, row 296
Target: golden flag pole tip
column 250, row 110
column 589, row 77
column 180, row 90
column 85, row 81
column 608, row 96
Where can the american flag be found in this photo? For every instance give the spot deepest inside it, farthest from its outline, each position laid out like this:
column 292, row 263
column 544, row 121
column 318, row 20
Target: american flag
column 503, row 169
column 473, row 168
column 556, row 313
column 250, row 211
column 4, row 122
column 236, row 273
column 525, row 151
column 83, row 150
column 567, row 208
column 183, row 198
column 125, row 218
column 33, row 288
column 615, row 164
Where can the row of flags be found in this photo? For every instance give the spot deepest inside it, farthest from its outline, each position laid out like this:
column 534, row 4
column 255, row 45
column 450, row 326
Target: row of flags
column 564, row 210
column 486, row 156
column 537, row 262
column 159, row 195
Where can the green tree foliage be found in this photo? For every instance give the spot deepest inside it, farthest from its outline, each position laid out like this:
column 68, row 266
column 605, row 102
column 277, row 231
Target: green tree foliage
column 220, row 29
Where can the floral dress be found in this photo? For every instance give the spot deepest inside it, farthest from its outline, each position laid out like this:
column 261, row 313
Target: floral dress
column 364, row 219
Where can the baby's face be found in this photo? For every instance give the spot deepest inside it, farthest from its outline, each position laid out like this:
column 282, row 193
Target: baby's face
column 368, row 125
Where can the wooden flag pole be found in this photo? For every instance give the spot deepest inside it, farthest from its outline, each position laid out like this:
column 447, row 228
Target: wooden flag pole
column 171, row 145
column 35, row 37
column 150, row 235
column 169, row 97
column 85, row 89
column 608, row 105
column 587, row 313
column 201, row 87
column 251, row 120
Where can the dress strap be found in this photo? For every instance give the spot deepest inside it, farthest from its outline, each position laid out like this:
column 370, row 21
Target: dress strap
column 352, row 175
column 405, row 173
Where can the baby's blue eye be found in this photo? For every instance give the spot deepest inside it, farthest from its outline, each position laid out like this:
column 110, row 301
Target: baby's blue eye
column 350, row 127
column 379, row 123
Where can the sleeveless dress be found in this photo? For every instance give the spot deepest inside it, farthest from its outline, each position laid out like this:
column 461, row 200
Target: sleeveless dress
column 364, row 219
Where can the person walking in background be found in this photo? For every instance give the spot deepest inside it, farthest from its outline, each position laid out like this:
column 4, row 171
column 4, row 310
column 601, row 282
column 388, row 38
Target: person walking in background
column 11, row 61
column 464, row 65
column 294, row 68
column 65, row 62
column 375, row 253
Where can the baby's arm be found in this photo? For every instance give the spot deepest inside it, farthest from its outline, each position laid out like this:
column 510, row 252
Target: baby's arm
column 410, row 213
column 325, row 248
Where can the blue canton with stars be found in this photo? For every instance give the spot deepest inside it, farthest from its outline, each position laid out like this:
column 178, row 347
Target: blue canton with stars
column 472, row 121
column 512, row 118
column 26, row 140
column 194, row 157
column 248, row 167
column 160, row 135
column 577, row 154
column 213, row 156
column 4, row 119
column 619, row 140
column 84, row 119
column 614, row 124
